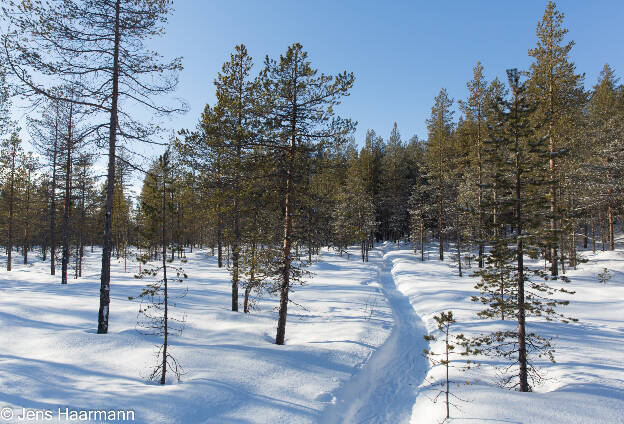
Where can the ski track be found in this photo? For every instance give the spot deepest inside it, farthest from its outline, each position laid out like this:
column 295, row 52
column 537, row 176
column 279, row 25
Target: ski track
column 385, row 389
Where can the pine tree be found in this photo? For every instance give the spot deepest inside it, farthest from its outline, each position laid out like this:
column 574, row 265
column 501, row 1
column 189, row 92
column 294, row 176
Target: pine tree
column 205, row 151
column 461, row 218
column 156, row 317
column 395, row 187
column 46, row 136
column 69, row 139
column 560, row 95
column 11, row 157
column 371, row 157
column 475, row 110
column 28, row 212
column 421, row 210
column 448, row 360
column 440, row 127
column 508, row 285
column 299, row 107
column 85, row 185
column 234, row 135
column 353, row 217
column 605, row 128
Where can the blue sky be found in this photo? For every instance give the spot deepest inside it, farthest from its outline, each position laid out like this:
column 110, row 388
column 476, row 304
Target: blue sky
column 402, row 52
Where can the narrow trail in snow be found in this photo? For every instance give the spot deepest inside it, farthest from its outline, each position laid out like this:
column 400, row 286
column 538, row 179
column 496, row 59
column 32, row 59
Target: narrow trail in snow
column 384, row 390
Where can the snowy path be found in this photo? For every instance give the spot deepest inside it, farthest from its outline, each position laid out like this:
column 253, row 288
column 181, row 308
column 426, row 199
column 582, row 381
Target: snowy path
column 384, row 391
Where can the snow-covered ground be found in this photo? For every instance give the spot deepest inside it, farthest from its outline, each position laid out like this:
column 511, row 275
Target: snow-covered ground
column 353, row 355
column 51, row 356
column 585, row 385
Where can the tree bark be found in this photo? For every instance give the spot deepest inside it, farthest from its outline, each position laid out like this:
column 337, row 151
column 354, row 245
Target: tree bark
column 252, row 279
column 285, row 286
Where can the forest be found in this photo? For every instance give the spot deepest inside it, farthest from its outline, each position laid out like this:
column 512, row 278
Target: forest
column 516, row 187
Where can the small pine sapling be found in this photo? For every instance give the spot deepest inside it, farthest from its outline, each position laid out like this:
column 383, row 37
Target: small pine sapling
column 604, row 276
column 497, row 282
column 155, row 318
column 446, row 358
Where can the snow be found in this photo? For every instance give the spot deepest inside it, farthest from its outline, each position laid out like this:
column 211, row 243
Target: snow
column 385, row 389
column 585, row 385
column 353, row 355
column 235, row 374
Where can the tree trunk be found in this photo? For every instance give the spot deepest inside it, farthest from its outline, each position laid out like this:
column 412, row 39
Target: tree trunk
column 165, row 294
column 11, row 207
column 441, row 202
column 45, row 237
column 285, row 286
column 110, row 186
column 603, row 233
column 573, row 250
column 593, row 232
column 522, row 358
column 235, row 260
column 246, row 301
column 553, row 192
column 77, row 261
column 27, row 216
column 440, row 222
column 219, row 239
column 422, row 241
column 53, row 199
column 480, row 189
column 459, row 264
column 288, row 211
column 67, row 200
column 252, row 278
column 522, row 354
column 611, row 220
column 561, row 252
